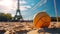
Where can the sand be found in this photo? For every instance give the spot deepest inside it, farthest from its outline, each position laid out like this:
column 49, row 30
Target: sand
column 26, row 27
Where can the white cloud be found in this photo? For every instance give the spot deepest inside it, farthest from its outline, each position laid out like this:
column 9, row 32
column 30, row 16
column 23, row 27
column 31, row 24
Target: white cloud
column 23, row 8
column 6, row 6
column 23, row 2
column 28, row 6
column 7, row 3
column 11, row 7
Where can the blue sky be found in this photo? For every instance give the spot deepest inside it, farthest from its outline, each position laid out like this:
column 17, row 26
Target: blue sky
column 29, row 8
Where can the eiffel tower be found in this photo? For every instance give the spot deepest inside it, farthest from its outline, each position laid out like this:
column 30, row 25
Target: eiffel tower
column 18, row 17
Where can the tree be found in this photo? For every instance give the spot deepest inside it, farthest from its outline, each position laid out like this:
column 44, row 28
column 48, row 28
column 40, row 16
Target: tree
column 5, row 17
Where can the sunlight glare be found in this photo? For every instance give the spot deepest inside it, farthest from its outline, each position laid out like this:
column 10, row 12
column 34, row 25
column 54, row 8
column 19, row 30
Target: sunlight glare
column 7, row 2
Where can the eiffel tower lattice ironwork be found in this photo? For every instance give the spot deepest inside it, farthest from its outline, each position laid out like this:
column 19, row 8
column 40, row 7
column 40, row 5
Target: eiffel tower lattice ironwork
column 18, row 17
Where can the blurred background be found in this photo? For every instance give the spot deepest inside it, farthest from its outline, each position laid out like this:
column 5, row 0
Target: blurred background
column 28, row 9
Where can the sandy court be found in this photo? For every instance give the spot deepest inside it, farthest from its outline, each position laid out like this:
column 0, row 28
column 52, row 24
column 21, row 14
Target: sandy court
column 54, row 27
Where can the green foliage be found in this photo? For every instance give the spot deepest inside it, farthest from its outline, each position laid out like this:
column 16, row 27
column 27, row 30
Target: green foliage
column 5, row 17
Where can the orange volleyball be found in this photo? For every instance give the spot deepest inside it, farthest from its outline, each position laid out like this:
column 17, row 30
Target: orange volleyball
column 41, row 20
